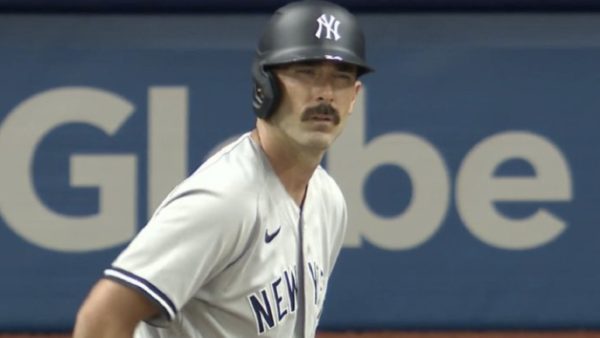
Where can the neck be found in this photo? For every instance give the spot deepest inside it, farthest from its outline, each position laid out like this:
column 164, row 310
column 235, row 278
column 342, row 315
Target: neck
column 293, row 165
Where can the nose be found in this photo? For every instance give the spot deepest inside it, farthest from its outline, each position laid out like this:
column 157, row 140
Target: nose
column 324, row 89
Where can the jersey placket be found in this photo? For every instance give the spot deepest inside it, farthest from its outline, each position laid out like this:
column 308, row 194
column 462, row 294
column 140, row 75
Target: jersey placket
column 307, row 283
column 300, row 329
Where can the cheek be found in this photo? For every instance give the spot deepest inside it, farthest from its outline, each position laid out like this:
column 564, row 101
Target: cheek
column 294, row 96
column 346, row 100
column 297, row 105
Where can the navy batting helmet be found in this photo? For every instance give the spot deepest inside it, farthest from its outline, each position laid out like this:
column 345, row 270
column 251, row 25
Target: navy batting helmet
column 303, row 31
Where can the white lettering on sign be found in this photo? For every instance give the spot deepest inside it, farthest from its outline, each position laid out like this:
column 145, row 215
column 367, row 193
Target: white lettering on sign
column 114, row 175
column 351, row 160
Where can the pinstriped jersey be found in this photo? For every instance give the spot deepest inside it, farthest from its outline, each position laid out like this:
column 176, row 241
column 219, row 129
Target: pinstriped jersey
column 229, row 253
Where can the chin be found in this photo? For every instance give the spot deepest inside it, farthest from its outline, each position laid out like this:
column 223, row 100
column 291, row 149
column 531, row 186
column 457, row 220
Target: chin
column 319, row 140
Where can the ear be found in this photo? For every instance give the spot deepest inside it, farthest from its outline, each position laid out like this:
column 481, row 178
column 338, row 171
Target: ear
column 357, row 88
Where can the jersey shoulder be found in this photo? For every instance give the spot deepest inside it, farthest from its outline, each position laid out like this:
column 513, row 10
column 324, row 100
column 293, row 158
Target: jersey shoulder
column 232, row 176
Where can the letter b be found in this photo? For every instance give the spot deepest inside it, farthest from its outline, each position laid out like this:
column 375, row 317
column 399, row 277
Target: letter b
column 351, row 160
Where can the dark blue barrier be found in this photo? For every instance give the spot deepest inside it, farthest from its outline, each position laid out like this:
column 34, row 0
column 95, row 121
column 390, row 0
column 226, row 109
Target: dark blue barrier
column 469, row 166
column 187, row 6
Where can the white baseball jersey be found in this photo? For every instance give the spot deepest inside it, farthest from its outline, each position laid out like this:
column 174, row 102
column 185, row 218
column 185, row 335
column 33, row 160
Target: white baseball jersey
column 221, row 254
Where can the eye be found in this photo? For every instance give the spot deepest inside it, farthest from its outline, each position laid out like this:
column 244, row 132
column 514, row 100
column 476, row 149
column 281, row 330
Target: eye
column 306, row 71
column 345, row 76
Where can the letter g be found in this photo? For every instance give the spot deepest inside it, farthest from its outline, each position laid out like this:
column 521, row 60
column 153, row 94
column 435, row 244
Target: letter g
column 115, row 175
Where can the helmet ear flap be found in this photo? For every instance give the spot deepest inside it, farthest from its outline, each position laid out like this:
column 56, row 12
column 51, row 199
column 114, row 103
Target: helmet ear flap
column 266, row 92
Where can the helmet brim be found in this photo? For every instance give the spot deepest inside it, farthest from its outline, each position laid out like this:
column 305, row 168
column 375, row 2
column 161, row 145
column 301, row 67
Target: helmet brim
column 294, row 55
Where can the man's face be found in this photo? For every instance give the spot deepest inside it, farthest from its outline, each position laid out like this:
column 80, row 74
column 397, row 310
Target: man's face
column 317, row 97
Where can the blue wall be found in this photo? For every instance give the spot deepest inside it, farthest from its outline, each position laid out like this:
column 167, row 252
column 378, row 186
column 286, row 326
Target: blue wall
column 162, row 6
column 469, row 164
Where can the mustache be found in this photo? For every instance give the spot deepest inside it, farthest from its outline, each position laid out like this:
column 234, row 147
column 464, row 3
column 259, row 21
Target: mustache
column 321, row 109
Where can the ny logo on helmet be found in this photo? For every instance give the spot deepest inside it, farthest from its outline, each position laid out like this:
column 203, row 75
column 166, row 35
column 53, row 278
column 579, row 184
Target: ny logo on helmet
column 331, row 24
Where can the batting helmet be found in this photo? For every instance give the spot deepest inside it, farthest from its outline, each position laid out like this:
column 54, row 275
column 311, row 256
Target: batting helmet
column 302, row 31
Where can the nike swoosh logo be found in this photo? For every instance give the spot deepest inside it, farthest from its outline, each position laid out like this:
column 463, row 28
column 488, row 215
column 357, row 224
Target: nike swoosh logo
column 269, row 236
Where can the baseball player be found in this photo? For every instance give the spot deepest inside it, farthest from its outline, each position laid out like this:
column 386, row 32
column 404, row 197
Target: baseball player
column 244, row 247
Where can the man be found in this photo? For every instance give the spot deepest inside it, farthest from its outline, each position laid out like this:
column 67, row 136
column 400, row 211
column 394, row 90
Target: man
column 244, row 246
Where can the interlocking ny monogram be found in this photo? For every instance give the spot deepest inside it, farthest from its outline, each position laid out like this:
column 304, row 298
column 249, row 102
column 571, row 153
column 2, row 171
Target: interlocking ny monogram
column 331, row 24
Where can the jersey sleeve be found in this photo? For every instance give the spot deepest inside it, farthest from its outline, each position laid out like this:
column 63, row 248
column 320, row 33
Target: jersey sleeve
column 194, row 235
